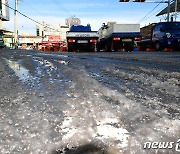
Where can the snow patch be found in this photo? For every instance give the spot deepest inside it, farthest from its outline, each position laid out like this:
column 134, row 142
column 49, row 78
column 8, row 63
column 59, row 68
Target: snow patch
column 109, row 130
column 62, row 62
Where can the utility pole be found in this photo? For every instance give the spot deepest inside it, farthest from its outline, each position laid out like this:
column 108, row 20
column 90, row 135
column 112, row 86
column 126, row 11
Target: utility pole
column 168, row 11
column 15, row 25
column 175, row 10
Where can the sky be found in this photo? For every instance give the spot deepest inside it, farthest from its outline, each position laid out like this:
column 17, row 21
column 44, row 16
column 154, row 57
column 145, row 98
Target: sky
column 93, row 12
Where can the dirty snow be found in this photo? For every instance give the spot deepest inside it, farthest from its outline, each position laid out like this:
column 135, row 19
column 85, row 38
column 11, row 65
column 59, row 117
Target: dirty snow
column 114, row 101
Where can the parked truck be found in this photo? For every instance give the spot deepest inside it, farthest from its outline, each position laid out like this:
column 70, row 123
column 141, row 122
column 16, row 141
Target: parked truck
column 118, row 37
column 159, row 36
column 81, row 38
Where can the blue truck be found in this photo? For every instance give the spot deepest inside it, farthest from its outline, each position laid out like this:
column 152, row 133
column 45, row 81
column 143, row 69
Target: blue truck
column 160, row 35
column 81, row 38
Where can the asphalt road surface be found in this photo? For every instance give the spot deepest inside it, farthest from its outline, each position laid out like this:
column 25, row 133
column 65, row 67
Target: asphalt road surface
column 89, row 103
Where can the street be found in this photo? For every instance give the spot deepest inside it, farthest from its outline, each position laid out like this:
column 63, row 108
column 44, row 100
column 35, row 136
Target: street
column 89, row 102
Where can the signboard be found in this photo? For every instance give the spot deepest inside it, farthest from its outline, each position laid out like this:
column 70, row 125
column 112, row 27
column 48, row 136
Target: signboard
column 4, row 10
column 54, row 38
column 30, row 40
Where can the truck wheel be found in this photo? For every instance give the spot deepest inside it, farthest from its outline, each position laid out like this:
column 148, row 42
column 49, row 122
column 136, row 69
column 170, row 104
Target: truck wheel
column 108, row 46
column 143, row 47
column 158, row 47
column 70, row 48
column 91, row 48
column 115, row 49
column 128, row 47
column 98, row 47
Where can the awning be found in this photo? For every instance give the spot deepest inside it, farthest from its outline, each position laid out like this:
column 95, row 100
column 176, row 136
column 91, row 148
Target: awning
column 6, row 31
column 172, row 8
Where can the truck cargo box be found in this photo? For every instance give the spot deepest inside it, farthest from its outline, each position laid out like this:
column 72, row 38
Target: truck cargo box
column 120, row 28
column 118, row 37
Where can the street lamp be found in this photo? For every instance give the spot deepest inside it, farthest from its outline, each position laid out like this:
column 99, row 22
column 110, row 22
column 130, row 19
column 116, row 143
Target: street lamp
column 168, row 10
column 176, row 9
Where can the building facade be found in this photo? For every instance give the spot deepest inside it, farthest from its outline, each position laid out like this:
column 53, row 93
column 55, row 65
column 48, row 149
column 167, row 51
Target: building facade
column 4, row 10
column 73, row 21
column 4, row 16
column 44, row 30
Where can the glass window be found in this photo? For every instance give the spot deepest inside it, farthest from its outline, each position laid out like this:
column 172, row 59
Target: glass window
column 172, row 26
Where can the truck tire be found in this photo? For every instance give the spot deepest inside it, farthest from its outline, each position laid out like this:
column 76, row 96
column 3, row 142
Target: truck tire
column 70, row 48
column 116, row 46
column 115, row 49
column 91, row 48
column 106, row 48
column 98, row 47
column 158, row 47
column 129, row 47
column 143, row 47
column 109, row 46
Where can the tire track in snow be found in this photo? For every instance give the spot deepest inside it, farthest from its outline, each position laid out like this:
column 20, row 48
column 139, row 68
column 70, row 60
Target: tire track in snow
column 90, row 116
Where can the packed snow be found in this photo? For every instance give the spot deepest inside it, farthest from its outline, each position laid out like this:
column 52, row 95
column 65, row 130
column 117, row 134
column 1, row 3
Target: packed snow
column 59, row 102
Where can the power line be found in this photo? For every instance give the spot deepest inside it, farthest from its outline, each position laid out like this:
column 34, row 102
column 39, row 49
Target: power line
column 37, row 10
column 29, row 17
column 59, row 4
column 150, row 12
column 29, row 5
column 153, row 14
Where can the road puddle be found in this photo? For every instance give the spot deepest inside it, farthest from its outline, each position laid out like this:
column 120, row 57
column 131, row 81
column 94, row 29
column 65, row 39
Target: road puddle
column 23, row 74
column 19, row 70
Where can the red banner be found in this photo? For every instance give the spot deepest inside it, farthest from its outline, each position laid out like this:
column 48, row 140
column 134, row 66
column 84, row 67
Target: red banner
column 54, row 38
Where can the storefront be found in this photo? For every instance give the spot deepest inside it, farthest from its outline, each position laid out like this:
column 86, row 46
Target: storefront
column 6, row 38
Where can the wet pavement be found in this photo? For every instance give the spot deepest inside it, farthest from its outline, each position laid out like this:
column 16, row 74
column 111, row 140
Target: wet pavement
column 89, row 102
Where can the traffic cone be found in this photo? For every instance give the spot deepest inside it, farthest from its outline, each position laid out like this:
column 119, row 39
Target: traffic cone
column 168, row 49
column 148, row 49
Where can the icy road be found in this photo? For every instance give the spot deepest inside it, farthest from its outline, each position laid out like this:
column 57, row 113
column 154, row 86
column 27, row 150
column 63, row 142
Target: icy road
column 87, row 103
